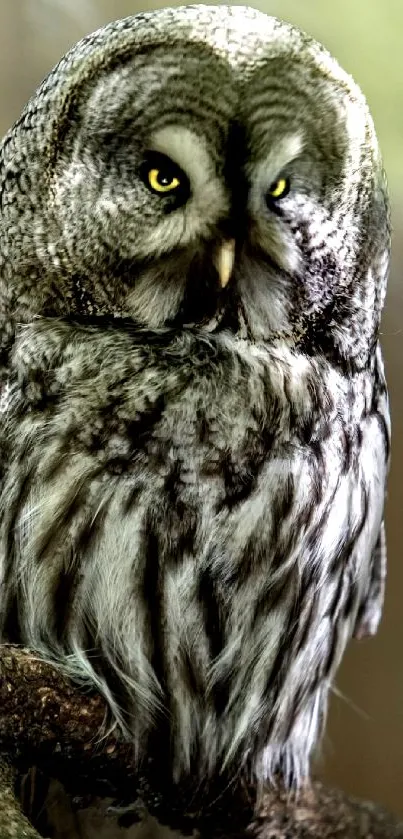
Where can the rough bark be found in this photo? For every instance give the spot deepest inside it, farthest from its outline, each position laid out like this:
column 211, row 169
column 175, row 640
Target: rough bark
column 13, row 823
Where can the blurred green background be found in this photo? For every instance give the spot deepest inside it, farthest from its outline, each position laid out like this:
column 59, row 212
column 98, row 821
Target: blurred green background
column 363, row 749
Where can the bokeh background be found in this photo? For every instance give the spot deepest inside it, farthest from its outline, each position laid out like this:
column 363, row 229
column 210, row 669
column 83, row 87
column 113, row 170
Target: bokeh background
column 363, row 749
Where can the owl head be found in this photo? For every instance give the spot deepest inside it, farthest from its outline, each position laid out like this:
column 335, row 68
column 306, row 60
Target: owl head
column 200, row 167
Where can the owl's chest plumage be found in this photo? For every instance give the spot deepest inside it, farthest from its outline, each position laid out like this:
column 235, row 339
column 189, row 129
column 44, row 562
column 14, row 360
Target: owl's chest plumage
column 210, row 507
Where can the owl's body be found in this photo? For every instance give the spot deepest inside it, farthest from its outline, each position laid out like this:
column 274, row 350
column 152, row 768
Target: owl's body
column 194, row 471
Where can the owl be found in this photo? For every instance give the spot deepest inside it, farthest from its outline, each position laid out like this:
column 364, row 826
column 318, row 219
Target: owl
column 194, row 421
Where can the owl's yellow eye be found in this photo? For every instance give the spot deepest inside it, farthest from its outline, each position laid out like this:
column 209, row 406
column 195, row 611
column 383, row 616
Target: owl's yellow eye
column 162, row 181
column 163, row 177
column 279, row 188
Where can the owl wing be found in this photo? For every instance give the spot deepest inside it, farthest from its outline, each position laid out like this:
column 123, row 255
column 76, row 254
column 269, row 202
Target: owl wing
column 370, row 610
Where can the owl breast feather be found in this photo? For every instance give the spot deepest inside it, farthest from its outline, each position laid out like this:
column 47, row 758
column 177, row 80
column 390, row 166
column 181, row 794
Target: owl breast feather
column 189, row 525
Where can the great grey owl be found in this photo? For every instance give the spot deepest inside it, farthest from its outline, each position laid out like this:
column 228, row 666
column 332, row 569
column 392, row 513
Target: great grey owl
column 194, row 418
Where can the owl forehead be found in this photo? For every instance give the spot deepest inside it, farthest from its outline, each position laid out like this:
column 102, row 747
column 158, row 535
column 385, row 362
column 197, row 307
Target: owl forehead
column 208, row 68
column 189, row 86
column 241, row 35
column 208, row 62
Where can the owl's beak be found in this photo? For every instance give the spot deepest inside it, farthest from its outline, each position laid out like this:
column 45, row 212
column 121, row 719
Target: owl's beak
column 224, row 261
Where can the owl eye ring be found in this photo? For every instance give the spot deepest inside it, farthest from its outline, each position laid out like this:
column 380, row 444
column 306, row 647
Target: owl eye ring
column 278, row 189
